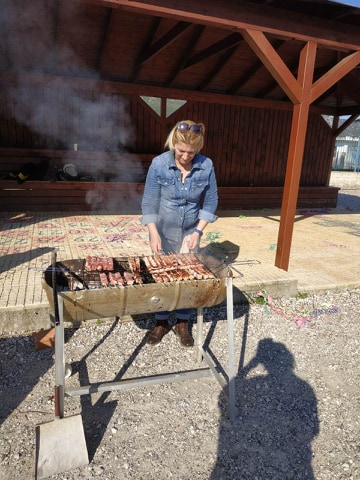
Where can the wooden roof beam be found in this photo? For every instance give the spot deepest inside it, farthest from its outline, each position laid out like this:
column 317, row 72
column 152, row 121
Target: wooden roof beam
column 113, row 86
column 344, row 125
column 148, row 41
column 163, row 42
column 309, row 92
column 352, row 88
column 335, row 74
column 238, row 16
column 302, row 92
column 198, row 30
column 251, row 72
column 274, row 84
column 231, row 40
column 108, row 22
column 216, row 70
column 318, row 72
column 295, row 156
column 274, row 63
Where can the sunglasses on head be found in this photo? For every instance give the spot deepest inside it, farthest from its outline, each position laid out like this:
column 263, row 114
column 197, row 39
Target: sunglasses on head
column 185, row 127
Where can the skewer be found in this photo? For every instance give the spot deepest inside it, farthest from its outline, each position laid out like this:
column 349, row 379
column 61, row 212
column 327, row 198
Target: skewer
column 166, row 269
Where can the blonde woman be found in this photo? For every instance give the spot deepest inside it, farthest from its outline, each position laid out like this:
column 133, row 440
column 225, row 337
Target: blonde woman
column 180, row 199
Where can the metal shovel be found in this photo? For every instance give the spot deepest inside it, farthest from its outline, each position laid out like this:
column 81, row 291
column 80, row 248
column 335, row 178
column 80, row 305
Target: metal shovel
column 60, row 444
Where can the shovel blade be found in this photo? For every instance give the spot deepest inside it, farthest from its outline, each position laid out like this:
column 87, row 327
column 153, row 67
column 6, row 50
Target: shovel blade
column 60, row 446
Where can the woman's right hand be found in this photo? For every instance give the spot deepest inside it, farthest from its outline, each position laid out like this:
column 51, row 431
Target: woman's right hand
column 155, row 244
column 155, row 240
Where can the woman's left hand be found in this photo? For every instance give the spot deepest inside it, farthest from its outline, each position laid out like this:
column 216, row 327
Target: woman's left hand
column 194, row 241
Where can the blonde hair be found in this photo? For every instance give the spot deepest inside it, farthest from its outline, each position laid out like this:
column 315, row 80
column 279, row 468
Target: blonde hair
column 195, row 139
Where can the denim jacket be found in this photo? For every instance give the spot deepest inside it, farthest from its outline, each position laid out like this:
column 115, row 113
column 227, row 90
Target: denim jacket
column 176, row 207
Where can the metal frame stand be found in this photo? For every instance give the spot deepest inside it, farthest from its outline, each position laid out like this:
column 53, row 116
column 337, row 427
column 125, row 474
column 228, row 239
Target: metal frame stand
column 200, row 354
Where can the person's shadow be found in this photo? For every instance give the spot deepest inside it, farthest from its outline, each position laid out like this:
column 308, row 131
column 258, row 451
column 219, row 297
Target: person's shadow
column 276, row 421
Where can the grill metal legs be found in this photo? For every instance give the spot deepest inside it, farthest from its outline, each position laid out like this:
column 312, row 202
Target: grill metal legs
column 200, row 355
column 59, row 360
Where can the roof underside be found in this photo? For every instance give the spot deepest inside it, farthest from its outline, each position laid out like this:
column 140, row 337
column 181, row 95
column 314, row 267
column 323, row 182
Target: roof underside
column 196, row 48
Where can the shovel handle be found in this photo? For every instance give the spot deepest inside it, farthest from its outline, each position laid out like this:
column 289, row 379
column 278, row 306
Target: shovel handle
column 54, row 286
column 57, row 401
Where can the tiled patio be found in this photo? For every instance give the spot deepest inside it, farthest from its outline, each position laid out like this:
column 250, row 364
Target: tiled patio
column 324, row 252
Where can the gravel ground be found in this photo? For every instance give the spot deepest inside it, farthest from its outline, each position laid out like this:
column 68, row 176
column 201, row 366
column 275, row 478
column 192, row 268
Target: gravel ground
column 297, row 393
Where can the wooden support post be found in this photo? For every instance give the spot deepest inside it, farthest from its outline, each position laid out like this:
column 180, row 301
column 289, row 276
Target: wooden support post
column 295, row 157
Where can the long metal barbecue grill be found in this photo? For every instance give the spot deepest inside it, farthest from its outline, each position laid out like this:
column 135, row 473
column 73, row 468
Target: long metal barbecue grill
column 97, row 287
column 103, row 287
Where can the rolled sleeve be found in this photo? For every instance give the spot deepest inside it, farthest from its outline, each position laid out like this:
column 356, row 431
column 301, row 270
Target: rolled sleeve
column 207, row 216
column 151, row 198
column 210, row 199
column 149, row 218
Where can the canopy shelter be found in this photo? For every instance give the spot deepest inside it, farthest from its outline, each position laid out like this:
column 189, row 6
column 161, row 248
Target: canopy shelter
column 213, row 52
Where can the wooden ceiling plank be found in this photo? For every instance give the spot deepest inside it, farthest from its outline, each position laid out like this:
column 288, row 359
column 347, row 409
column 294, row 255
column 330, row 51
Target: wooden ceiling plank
column 353, row 11
column 105, row 40
column 354, row 110
column 148, row 41
column 346, row 87
column 350, row 85
column 53, row 54
column 244, row 15
column 198, row 30
column 274, row 63
column 235, row 87
column 246, row 77
column 339, row 93
column 216, row 70
column 335, row 74
column 327, row 94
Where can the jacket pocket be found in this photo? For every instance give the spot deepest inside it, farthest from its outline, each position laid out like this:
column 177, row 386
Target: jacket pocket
column 166, row 181
column 199, row 184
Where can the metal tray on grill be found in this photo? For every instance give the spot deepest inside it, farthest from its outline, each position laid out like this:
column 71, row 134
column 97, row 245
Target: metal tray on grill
column 95, row 301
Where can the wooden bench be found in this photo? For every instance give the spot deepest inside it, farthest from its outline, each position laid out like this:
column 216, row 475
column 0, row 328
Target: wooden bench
column 124, row 197
column 99, row 166
column 70, row 196
column 120, row 184
column 253, row 198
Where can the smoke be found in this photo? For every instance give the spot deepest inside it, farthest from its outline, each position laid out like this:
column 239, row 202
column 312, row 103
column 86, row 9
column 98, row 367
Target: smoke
column 118, row 197
column 63, row 116
column 57, row 113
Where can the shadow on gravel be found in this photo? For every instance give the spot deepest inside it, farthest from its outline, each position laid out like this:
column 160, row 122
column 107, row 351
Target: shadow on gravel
column 276, row 420
column 97, row 416
column 102, row 410
column 21, row 368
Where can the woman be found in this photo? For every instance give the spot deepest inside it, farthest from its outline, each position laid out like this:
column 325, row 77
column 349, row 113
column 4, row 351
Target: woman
column 180, row 199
